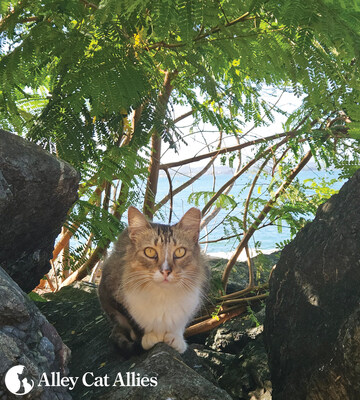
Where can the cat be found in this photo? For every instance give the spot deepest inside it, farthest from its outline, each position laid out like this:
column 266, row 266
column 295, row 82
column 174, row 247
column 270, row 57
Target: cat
column 154, row 281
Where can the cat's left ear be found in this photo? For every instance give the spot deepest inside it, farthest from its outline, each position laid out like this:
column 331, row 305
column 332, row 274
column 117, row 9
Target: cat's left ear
column 137, row 222
column 191, row 222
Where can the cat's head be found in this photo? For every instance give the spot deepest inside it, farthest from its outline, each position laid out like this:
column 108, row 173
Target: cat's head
column 164, row 255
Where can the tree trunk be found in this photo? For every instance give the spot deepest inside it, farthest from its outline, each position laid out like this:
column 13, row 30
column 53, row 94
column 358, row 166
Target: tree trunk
column 152, row 182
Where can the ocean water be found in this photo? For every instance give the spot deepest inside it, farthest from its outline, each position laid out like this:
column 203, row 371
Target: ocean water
column 267, row 237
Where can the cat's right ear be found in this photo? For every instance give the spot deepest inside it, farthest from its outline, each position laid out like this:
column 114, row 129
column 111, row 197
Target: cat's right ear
column 137, row 222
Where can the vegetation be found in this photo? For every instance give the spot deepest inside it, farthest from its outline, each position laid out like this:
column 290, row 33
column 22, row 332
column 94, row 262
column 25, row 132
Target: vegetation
column 100, row 84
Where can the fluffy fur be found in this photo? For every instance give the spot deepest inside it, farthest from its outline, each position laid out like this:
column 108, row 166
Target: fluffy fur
column 153, row 282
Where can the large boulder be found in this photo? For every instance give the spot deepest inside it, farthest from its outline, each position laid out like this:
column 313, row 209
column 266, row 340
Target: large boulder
column 36, row 191
column 28, row 341
column 312, row 325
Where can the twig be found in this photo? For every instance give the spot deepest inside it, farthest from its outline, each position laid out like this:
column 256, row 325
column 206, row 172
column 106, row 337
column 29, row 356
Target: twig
column 212, row 323
column 289, row 134
column 89, row 5
column 262, row 215
column 220, row 239
column 170, row 194
column 242, row 171
column 246, row 299
column 217, row 29
column 244, row 291
column 181, row 117
column 246, row 208
column 184, row 185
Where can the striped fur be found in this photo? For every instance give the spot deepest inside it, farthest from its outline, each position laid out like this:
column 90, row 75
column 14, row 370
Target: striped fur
column 152, row 299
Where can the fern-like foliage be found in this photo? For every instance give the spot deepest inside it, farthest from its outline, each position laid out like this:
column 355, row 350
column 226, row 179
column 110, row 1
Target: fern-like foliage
column 73, row 72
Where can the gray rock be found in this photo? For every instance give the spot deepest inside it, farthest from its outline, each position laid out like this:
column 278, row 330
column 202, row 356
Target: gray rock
column 36, row 191
column 312, row 325
column 26, row 339
column 76, row 313
column 239, row 276
column 235, row 334
column 175, row 379
column 238, row 357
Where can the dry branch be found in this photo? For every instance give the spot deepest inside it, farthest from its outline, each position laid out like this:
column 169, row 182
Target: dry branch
column 212, row 323
column 242, row 171
column 262, row 215
column 224, row 150
column 151, row 187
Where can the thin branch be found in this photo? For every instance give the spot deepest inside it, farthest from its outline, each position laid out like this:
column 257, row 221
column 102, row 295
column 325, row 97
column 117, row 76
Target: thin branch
column 221, row 239
column 224, row 150
column 89, row 5
column 216, row 29
column 205, row 221
column 160, row 112
column 244, row 291
column 181, row 117
column 262, row 215
column 170, row 195
column 245, row 299
column 242, row 171
column 246, row 208
column 212, row 323
column 184, row 185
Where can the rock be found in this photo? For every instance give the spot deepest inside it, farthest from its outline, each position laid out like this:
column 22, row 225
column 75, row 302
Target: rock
column 233, row 361
column 312, row 325
column 36, row 191
column 239, row 276
column 175, row 380
column 235, row 334
column 76, row 313
column 238, row 357
column 28, row 339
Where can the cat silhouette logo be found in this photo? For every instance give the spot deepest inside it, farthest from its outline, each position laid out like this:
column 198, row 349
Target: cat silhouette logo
column 17, row 382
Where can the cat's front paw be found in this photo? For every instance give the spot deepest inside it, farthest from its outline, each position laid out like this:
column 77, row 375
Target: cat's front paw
column 175, row 341
column 150, row 339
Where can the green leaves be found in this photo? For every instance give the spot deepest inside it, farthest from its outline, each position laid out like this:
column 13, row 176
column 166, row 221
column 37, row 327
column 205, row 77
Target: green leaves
column 224, row 201
column 72, row 75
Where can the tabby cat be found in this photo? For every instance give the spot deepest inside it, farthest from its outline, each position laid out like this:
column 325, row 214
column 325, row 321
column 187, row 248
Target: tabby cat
column 153, row 282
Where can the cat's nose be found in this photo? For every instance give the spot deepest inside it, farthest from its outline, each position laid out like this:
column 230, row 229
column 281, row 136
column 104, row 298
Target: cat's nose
column 166, row 269
column 166, row 272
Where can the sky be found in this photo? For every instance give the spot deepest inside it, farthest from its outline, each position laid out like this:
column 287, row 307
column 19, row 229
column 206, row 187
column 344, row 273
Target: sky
column 196, row 142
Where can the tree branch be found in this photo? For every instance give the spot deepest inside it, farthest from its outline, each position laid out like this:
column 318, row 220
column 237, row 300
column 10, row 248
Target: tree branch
column 262, row 215
column 216, row 29
column 212, row 323
column 181, row 117
column 243, row 170
column 151, row 187
column 224, row 150
column 185, row 184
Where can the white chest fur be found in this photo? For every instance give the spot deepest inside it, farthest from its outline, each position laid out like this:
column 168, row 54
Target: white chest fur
column 162, row 309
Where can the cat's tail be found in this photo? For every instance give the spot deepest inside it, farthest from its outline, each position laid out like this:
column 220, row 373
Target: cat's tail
column 126, row 346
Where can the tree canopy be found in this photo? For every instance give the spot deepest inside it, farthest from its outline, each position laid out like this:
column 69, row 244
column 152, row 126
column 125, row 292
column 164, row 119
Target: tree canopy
column 96, row 83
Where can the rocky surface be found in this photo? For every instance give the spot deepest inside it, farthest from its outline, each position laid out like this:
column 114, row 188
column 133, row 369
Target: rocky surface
column 28, row 339
column 312, row 325
column 232, row 364
column 36, row 191
column 236, row 355
column 239, row 276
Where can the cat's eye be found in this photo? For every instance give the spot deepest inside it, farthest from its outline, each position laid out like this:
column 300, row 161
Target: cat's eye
column 150, row 252
column 180, row 252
